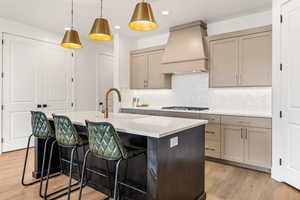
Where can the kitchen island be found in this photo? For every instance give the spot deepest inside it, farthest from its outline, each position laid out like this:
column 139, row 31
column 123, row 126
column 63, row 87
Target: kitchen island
column 173, row 167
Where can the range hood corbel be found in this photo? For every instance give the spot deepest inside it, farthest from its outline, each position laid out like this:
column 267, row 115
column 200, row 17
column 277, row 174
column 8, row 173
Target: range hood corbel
column 186, row 50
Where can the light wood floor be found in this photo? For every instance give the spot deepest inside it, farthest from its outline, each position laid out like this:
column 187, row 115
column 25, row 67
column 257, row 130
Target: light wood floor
column 223, row 182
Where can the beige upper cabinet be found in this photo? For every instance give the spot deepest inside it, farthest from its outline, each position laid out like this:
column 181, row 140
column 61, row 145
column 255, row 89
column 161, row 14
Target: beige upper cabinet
column 241, row 59
column 139, row 71
column 156, row 79
column 224, row 63
column 145, row 69
column 256, row 60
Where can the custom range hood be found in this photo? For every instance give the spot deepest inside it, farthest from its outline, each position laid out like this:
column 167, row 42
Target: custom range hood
column 186, row 50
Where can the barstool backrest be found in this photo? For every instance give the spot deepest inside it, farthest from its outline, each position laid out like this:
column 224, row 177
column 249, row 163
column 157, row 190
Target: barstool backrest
column 40, row 125
column 65, row 132
column 104, row 141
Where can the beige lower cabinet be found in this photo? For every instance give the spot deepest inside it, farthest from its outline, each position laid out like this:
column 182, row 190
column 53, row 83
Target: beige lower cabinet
column 246, row 144
column 245, row 140
column 258, row 145
column 232, row 143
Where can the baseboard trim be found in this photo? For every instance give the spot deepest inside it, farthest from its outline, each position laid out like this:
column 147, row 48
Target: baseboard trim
column 241, row 165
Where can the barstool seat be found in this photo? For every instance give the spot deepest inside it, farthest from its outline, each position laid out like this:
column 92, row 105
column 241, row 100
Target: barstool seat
column 66, row 137
column 104, row 143
column 42, row 130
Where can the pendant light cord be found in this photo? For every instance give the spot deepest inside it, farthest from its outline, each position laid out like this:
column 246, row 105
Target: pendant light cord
column 72, row 15
column 101, row 8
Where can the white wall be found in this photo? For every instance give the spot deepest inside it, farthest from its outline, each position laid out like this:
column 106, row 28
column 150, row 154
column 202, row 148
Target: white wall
column 85, row 64
column 192, row 90
column 85, row 75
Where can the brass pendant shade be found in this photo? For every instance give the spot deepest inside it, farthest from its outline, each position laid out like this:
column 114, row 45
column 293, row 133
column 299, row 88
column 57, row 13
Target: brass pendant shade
column 71, row 40
column 143, row 18
column 100, row 30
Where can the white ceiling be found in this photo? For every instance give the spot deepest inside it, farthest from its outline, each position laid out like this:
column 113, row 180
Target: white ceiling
column 54, row 15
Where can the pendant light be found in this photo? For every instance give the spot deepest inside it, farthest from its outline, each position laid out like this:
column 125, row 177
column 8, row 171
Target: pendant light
column 143, row 18
column 100, row 29
column 71, row 38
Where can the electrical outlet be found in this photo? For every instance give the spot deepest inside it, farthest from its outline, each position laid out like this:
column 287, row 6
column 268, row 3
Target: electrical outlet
column 173, row 142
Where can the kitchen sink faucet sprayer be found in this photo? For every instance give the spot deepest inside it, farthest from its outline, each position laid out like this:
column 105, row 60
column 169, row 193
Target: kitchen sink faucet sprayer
column 106, row 100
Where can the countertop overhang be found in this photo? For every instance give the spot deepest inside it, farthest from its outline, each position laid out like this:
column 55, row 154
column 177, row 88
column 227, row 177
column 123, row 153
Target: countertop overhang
column 144, row 125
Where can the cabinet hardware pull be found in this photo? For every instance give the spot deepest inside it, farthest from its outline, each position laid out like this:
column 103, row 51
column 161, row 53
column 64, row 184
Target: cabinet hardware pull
column 242, row 133
column 45, row 105
column 210, row 149
column 39, row 106
column 210, row 132
column 246, row 134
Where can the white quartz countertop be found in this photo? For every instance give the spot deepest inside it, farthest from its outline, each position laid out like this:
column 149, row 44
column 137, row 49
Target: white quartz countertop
column 210, row 111
column 145, row 125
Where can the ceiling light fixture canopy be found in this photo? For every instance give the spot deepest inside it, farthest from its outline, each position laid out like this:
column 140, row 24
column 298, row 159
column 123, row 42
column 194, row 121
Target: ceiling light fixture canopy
column 71, row 38
column 143, row 18
column 100, row 29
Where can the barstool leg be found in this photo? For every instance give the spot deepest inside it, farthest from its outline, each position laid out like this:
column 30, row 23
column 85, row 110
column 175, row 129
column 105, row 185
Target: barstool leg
column 83, row 173
column 116, row 197
column 25, row 164
column 70, row 174
column 109, row 177
column 49, row 168
column 43, row 166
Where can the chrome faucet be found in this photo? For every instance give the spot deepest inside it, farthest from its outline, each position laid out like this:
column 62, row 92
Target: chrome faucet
column 106, row 100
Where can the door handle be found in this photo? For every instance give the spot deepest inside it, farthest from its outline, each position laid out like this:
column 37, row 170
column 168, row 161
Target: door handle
column 39, row 106
column 45, row 105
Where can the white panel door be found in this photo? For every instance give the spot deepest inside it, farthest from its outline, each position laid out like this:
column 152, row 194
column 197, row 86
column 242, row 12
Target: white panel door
column 20, row 89
column 290, row 102
column 57, row 78
column 104, row 79
column 35, row 73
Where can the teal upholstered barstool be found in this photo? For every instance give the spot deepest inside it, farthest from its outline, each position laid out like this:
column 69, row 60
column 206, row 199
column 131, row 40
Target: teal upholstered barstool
column 66, row 137
column 42, row 130
column 104, row 143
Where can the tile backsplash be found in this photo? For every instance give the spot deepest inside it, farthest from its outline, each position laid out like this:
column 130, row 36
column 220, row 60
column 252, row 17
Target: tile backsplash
column 193, row 90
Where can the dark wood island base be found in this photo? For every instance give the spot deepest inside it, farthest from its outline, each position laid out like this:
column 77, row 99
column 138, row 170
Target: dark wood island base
column 165, row 173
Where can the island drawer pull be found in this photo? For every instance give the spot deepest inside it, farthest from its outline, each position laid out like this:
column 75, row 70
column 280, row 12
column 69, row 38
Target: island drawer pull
column 210, row 132
column 210, row 149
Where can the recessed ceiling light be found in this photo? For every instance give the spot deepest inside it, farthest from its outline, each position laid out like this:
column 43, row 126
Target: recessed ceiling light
column 117, row 27
column 165, row 12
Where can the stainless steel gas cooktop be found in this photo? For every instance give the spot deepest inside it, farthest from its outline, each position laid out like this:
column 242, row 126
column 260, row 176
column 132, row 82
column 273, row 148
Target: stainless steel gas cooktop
column 185, row 108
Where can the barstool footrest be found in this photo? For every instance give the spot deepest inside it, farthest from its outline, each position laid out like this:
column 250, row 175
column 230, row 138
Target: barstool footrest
column 61, row 190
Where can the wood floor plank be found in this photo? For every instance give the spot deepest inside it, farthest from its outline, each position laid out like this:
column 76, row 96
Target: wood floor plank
column 222, row 182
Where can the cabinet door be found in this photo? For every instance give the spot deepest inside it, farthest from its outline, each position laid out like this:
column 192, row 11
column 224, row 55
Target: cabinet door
column 258, row 147
column 224, row 63
column 255, row 58
column 232, row 143
column 139, row 71
column 156, row 79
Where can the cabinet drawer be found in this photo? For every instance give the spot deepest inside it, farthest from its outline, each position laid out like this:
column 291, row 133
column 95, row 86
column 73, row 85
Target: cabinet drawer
column 216, row 119
column 213, row 132
column 212, row 149
column 247, row 121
